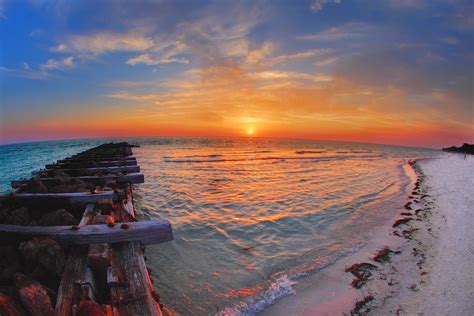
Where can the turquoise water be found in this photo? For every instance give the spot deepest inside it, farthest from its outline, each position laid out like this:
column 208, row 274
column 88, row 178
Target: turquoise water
column 250, row 216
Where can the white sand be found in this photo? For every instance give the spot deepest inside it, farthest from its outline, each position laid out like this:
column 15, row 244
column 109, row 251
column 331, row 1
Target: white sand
column 448, row 288
column 433, row 275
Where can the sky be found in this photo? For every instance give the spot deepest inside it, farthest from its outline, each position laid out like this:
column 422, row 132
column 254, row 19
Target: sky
column 390, row 71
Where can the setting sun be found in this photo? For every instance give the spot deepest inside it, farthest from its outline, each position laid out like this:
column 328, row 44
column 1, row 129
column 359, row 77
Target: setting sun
column 250, row 131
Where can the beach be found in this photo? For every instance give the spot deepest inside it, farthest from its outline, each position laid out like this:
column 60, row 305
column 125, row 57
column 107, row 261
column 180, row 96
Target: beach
column 445, row 240
column 428, row 269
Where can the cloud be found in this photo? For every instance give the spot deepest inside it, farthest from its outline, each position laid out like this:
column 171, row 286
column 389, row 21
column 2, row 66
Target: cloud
column 326, row 61
column 51, row 64
column 259, row 54
column 25, row 72
column 345, row 31
column 220, row 34
column 299, row 56
column 147, row 59
column 272, row 75
column 317, row 5
column 104, row 42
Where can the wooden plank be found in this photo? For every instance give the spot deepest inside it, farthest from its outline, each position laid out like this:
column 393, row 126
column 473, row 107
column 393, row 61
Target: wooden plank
column 132, row 178
column 81, row 165
column 73, row 273
column 131, row 293
column 105, row 158
column 73, row 198
column 77, row 172
column 146, row 232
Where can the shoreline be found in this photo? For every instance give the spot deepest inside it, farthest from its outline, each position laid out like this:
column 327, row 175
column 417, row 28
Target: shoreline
column 406, row 276
column 435, row 267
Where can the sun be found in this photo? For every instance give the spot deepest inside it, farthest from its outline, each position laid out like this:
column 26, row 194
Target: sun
column 250, row 131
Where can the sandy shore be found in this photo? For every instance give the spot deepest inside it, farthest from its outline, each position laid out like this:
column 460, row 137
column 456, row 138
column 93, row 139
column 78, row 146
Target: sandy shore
column 443, row 245
column 429, row 269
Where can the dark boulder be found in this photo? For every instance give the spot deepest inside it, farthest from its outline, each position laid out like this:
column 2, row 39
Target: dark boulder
column 10, row 263
column 58, row 218
column 20, row 216
column 34, row 185
column 34, row 296
column 45, row 252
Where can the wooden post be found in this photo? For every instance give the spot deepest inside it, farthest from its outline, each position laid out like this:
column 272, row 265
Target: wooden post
column 132, row 293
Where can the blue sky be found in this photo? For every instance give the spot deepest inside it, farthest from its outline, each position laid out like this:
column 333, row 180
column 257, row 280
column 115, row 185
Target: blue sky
column 381, row 71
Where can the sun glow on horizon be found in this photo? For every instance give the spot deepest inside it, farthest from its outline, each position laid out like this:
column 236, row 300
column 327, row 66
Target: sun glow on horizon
column 250, row 131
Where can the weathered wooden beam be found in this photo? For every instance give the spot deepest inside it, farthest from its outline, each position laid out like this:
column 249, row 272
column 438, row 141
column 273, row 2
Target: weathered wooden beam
column 72, row 198
column 99, row 153
column 79, row 172
column 146, row 232
column 131, row 293
column 73, row 273
column 104, row 158
column 91, row 164
column 132, row 178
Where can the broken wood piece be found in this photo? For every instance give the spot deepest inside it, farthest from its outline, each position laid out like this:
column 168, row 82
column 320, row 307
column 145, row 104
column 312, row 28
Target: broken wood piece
column 88, row 216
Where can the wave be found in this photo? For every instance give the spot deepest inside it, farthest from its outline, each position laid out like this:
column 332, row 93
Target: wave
column 314, row 158
column 279, row 288
column 283, row 285
column 195, row 156
column 303, row 152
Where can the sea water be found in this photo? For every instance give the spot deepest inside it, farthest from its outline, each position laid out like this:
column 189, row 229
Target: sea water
column 250, row 216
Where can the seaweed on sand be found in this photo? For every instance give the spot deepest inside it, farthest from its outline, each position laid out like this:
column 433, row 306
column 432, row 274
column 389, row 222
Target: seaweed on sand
column 361, row 307
column 362, row 272
column 401, row 222
column 383, row 255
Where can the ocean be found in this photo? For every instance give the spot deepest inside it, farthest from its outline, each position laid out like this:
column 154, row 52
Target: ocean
column 250, row 216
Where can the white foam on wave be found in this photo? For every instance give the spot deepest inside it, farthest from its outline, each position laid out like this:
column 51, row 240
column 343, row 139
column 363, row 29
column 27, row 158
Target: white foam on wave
column 281, row 287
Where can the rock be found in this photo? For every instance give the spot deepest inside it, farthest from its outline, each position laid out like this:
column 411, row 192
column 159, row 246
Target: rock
column 62, row 188
column 61, row 177
column 34, row 185
column 33, row 296
column 44, row 277
column 9, row 263
column 20, row 216
column 58, row 218
column 4, row 217
column 45, row 252
column 9, row 307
